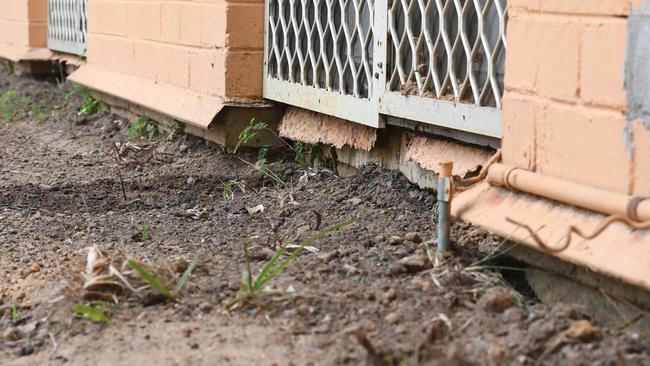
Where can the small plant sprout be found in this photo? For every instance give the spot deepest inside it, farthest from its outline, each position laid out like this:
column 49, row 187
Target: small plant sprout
column 145, row 230
column 157, row 284
column 231, row 186
column 95, row 311
column 90, row 106
column 251, row 131
column 12, row 106
column 14, row 311
column 252, row 288
column 143, row 127
column 172, row 129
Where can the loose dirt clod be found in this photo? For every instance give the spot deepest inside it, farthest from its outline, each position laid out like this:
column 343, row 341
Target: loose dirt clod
column 496, row 299
column 583, row 331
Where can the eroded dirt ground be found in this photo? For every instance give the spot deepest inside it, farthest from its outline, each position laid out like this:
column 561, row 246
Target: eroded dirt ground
column 368, row 296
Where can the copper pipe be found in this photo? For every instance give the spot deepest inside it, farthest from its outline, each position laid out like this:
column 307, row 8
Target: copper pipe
column 594, row 199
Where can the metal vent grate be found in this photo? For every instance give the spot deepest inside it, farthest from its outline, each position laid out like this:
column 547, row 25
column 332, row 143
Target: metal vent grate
column 448, row 49
column 67, row 26
column 326, row 44
column 438, row 62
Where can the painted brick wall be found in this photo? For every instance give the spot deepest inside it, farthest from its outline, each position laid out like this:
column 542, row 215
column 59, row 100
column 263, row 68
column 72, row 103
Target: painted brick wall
column 23, row 23
column 212, row 47
column 565, row 105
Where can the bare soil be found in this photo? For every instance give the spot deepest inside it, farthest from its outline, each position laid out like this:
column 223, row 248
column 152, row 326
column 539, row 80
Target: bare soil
column 368, row 296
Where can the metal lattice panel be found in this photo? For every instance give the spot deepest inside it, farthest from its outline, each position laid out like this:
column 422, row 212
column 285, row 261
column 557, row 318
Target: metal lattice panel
column 452, row 50
column 326, row 44
column 67, row 26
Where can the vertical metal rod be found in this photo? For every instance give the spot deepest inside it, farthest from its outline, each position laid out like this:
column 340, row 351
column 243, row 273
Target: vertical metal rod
column 444, row 201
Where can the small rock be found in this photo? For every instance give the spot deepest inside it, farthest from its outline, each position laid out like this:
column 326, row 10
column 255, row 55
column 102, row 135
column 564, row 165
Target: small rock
column 11, row 334
column 187, row 330
column 183, row 148
column 392, row 318
column 303, row 309
column 396, row 268
column 205, row 307
column 190, row 180
column 356, row 201
column 380, row 239
column 416, row 263
column 329, row 256
column 583, row 331
column 390, row 295
column 395, row 240
column 26, row 350
column 260, row 254
column 497, row 299
column 413, row 237
column 35, row 268
column 422, row 284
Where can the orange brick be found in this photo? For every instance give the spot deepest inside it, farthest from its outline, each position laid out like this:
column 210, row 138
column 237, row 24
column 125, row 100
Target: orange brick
column 144, row 20
column 584, row 145
column 205, row 76
column 641, row 136
column 245, row 26
column 520, row 114
column 170, row 18
column 38, row 35
column 107, row 17
column 179, row 66
column 243, row 74
column 14, row 10
column 191, row 24
column 602, row 58
column 149, row 60
column 592, row 7
column 112, row 53
column 543, row 56
column 37, row 10
column 213, row 25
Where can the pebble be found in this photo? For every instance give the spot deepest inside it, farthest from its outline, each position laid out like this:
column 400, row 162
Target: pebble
column 394, row 240
column 390, row 295
column 497, row 299
column 396, row 268
column 205, row 307
column 190, row 180
column 380, row 239
column 356, row 201
column 329, row 256
column 11, row 334
column 35, row 268
column 583, row 331
column 416, row 263
column 26, row 350
column 392, row 318
column 187, row 330
column 413, row 237
column 183, row 148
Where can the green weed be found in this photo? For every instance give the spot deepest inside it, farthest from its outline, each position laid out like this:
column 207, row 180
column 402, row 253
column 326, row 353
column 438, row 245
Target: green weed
column 251, row 131
column 14, row 311
column 12, row 105
column 145, row 230
column 231, row 186
column 157, row 284
column 143, row 127
column 90, row 106
column 251, row 288
column 95, row 311
column 172, row 129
